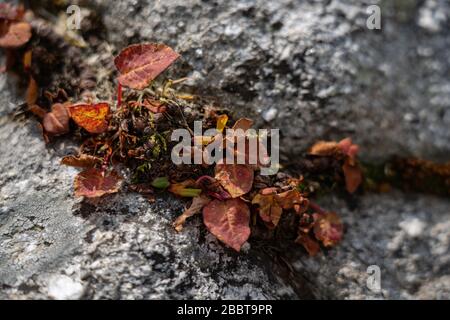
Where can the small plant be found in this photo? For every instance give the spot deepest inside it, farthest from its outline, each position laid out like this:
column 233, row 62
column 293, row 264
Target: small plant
column 234, row 199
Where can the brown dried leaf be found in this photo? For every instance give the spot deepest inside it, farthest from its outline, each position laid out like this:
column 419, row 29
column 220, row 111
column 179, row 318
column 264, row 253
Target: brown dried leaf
column 154, row 106
column 328, row 228
column 82, row 161
column 14, row 34
column 237, row 179
column 311, row 245
column 94, row 183
column 92, row 117
column 56, row 122
column 243, row 124
column 229, row 221
column 140, row 64
column 293, row 199
column 269, row 209
column 196, row 207
column 324, row 148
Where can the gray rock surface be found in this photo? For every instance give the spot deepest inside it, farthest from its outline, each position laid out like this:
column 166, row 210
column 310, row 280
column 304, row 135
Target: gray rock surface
column 313, row 66
column 53, row 246
column 308, row 67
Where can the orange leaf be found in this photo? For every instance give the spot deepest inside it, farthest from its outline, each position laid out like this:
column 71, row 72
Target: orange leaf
column 93, row 183
column 311, row 245
column 56, row 122
column 293, row 199
column 14, row 34
column 353, row 176
column 243, row 124
column 328, row 228
column 82, row 161
column 27, row 60
column 196, row 207
column 92, row 117
column 229, row 221
column 221, row 122
column 324, row 148
column 237, row 179
column 141, row 63
column 269, row 209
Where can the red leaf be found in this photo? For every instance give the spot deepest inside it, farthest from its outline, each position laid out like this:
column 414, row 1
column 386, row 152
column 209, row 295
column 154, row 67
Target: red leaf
column 93, row 183
column 196, row 207
column 328, row 228
column 140, row 64
column 11, row 12
column 14, row 34
column 229, row 221
column 237, row 179
column 56, row 122
column 353, row 176
column 92, row 117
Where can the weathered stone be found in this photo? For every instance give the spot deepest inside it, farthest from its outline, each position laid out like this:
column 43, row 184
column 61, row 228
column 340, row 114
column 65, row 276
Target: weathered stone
column 311, row 68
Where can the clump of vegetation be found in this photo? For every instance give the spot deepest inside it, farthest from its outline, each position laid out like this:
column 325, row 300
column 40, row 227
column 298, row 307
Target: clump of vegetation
column 135, row 130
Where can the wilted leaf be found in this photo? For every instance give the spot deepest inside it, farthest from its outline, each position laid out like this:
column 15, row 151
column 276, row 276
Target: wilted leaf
column 140, row 64
column 328, row 228
column 14, row 34
column 269, row 208
column 293, row 199
column 212, row 188
column 196, row 207
column 184, row 189
column 324, row 148
column 56, row 122
column 237, row 179
column 93, row 183
column 229, row 221
column 154, row 106
column 353, row 176
column 311, row 245
column 92, row 117
column 82, row 161
column 221, row 122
